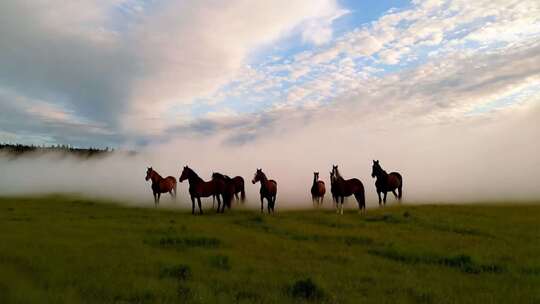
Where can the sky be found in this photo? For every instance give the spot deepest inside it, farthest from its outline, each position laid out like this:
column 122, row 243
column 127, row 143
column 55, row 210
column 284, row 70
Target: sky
column 447, row 86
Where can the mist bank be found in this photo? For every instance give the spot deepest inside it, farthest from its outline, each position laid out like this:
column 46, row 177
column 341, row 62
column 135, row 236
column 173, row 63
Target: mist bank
column 475, row 159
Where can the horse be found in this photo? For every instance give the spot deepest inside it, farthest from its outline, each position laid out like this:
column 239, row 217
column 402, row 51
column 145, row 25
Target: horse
column 199, row 188
column 161, row 185
column 268, row 190
column 386, row 182
column 348, row 187
column 317, row 190
column 229, row 190
column 239, row 187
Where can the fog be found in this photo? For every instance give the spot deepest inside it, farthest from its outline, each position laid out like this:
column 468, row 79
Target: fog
column 475, row 159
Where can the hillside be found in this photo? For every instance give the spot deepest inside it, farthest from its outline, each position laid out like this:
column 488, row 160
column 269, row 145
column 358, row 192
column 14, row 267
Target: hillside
column 73, row 250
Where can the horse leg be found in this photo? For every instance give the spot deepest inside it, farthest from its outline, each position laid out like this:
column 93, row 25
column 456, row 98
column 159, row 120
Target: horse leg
column 342, row 201
column 199, row 203
column 395, row 194
column 155, row 199
column 226, row 203
column 322, row 200
column 214, row 202
column 384, row 198
column 192, row 205
column 379, row 194
column 269, row 205
column 400, row 193
column 262, row 207
column 158, row 197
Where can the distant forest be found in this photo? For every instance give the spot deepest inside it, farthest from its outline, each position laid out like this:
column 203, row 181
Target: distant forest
column 16, row 150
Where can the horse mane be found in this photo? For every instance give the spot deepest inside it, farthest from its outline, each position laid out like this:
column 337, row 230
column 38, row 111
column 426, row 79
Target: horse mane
column 380, row 170
column 156, row 173
column 221, row 176
column 193, row 174
column 338, row 175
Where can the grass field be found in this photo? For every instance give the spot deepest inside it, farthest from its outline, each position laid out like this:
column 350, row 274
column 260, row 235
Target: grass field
column 67, row 250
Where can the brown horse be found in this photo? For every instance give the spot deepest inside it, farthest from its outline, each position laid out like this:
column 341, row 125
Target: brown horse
column 229, row 189
column 268, row 190
column 386, row 182
column 348, row 187
column 161, row 185
column 199, row 188
column 317, row 190
column 239, row 187
column 333, row 187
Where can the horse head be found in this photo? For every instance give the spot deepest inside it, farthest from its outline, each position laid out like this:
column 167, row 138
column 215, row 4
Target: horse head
column 185, row 174
column 258, row 176
column 149, row 173
column 376, row 168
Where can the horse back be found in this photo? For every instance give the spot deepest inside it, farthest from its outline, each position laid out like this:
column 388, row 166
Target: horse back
column 354, row 185
column 394, row 180
column 171, row 180
column 271, row 187
column 165, row 185
column 205, row 189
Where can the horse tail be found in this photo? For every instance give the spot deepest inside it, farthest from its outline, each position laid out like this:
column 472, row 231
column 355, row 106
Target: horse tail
column 361, row 197
column 400, row 186
column 399, row 189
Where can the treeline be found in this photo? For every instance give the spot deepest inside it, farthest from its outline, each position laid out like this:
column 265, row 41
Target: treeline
column 16, row 150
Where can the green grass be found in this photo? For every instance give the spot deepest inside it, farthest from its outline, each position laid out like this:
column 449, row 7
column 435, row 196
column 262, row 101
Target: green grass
column 58, row 249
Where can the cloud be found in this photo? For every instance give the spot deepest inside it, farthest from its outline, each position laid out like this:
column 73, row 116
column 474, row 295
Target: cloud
column 125, row 64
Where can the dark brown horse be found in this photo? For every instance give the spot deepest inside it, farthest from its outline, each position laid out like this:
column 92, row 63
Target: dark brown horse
column 348, row 187
column 229, row 189
column 161, row 185
column 386, row 182
column 317, row 190
column 199, row 188
column 239, row 187
column 268, row 190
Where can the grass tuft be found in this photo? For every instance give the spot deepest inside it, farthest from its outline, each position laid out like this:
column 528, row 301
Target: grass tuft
column 179, row 272
column 306, row 289
column 220, row 262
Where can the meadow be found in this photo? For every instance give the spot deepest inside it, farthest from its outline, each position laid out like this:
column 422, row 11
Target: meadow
column 67, row 249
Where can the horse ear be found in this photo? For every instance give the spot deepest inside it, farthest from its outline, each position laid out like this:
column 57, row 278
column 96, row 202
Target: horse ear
column 377, row 161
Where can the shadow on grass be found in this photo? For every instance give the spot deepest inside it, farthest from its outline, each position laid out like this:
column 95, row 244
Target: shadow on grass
column 177, row 242
column 179, row 272
column 460, row 262
column 258, row 223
